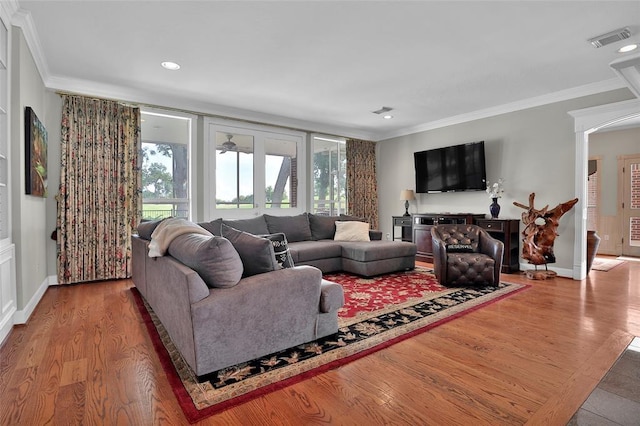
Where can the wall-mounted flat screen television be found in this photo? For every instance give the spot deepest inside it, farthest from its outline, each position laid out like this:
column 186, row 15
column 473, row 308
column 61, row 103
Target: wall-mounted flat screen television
column 452, row 168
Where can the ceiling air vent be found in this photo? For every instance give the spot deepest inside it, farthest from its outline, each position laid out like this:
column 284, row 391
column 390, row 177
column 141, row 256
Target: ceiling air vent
column 612, row 37
column 382, row 110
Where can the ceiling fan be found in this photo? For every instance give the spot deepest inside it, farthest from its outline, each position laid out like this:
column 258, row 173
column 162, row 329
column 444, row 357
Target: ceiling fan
column 228, row 145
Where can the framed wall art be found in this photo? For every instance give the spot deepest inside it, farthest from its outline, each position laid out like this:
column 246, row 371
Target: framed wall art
column 35, row 154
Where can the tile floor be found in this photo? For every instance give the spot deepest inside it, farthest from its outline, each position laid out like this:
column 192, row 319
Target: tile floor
column 616, row 399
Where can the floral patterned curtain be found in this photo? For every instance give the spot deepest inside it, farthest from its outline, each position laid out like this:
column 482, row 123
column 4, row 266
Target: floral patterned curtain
column 99, row 195
column 362, row 187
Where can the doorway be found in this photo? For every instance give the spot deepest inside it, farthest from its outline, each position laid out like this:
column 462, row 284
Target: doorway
column 587, row 121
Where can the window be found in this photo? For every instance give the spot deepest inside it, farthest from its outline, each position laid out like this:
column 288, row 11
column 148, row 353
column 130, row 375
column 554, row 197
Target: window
column 281, row 178
column 329, row 175
column 234, row 171
column 593, row 194
column 165, row 165
column 255, row 169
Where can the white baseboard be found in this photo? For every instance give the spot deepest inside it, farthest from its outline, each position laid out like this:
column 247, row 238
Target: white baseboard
column 22, row 316
column 7, row 324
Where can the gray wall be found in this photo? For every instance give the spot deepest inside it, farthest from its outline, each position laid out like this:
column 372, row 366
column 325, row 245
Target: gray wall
column 533, row 150
column 29, row 217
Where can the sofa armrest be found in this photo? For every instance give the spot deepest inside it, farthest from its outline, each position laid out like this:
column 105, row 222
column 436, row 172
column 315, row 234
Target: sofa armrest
column 439, row 250
column 493, row 248
column 331, row 296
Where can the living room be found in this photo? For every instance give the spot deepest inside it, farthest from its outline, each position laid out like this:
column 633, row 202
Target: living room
column 531, row 145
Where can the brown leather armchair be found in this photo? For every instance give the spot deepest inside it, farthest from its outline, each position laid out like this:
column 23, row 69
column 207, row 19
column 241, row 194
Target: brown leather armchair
column 466, row 255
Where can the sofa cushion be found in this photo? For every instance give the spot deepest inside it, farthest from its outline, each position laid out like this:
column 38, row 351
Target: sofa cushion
column 296, row 228
column 256, row 253
column 346, row 217
column 351, row 231
column 306, row 251
column 255, row 226
column 169, row 229
column 469, row 268
column 213, row 258
column 146, row 228
column 322, row 227
column 213, row 226
column 280, row 249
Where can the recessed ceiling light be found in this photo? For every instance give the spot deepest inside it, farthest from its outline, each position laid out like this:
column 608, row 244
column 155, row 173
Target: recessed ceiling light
column 170, row 66
column 387, row 117
column 628, row 48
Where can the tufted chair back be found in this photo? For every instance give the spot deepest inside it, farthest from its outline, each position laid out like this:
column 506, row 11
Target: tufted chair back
column 466, row 255
column 463, row 238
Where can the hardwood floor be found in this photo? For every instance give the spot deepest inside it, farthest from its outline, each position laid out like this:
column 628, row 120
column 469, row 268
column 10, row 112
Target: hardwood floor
column 85, row 358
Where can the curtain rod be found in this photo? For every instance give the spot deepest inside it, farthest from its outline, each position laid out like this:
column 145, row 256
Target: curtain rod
column 201, row 114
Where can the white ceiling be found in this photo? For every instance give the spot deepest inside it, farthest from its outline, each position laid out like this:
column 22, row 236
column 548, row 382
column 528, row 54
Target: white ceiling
column 325, row 65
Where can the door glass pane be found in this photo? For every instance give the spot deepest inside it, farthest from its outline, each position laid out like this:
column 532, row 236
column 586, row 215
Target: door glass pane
column 281, row 182
column 329, row 176
column 634, row 204
column 592, row 200
column 234, row 171
column 165, row 165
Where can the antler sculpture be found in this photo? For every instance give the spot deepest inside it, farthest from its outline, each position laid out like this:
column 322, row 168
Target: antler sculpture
column 541, row 230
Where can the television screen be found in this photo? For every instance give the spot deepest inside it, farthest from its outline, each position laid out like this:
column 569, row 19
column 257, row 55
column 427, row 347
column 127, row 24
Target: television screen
column 452, row 168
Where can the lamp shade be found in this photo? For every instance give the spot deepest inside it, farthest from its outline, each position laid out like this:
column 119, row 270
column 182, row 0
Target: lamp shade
column 407, row 194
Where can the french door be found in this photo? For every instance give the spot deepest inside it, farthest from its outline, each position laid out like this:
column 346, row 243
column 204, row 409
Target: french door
column 631, row 206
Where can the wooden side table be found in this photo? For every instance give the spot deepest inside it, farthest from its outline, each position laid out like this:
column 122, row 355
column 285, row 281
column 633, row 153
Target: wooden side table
column 404, row 223
column 507, row 231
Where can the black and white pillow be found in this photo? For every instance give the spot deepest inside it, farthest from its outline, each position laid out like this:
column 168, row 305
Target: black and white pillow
column 280, row 248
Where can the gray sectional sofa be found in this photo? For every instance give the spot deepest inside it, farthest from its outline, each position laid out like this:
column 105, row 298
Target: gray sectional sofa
column 311, row 242
column 218, row 315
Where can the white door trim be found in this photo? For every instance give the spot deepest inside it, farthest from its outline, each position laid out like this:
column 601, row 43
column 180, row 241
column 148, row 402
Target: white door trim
column 587, row 121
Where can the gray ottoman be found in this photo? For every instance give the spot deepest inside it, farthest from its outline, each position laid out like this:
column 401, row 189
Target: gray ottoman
column 377, row 257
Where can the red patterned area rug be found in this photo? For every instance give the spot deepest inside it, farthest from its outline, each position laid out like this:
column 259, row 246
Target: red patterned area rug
column 378, row 312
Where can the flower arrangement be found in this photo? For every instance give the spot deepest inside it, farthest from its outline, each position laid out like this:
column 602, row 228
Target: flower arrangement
column 495, row 190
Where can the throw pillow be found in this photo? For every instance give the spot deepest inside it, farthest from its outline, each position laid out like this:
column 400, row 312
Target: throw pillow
column 460, row 248
column 213, row 226
column 280, row 249
column 255, row 225
column 351, row 231
column 146, row 228
column 322, row 227
column 213, row 258
column 296, row 228
column 256, row 253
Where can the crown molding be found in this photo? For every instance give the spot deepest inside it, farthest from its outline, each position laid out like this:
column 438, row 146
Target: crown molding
column 22, row 19
column 178, row 103
column 7, row 9
column 563, row 95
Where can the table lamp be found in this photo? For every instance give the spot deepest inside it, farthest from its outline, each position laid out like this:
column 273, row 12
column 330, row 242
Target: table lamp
column 406, row 195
